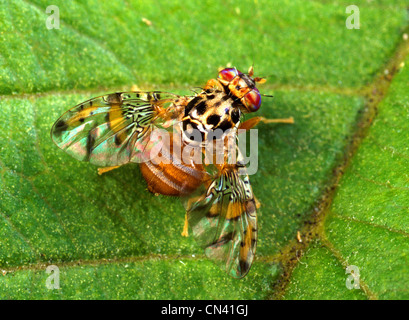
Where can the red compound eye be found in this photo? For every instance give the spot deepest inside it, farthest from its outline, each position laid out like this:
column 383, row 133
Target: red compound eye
column 253, row 100
column 228, row 74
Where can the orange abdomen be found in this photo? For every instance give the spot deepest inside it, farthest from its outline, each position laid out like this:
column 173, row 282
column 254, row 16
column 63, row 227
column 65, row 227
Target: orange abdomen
column 170, row 178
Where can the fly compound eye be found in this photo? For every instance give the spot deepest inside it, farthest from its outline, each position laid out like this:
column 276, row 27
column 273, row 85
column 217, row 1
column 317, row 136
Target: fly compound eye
column 228, row 74
column 252, row 100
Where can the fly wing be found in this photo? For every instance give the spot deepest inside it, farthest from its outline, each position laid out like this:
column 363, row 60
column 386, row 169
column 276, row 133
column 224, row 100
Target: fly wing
column 110, row 130
column 224, row 222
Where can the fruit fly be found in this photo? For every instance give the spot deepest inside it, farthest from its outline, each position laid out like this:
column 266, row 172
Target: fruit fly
column 115, row 129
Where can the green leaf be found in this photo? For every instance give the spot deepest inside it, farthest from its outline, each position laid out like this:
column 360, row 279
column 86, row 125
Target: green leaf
column 112, row 239
column 367, row 224
column 107, row 44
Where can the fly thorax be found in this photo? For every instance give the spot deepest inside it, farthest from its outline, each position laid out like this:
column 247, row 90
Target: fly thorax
column 209, row 116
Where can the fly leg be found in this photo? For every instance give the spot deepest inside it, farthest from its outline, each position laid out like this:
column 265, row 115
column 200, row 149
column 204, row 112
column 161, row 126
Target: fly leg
column 106, row 169
column 251, row 123
column 185, row 231
column 189, row 204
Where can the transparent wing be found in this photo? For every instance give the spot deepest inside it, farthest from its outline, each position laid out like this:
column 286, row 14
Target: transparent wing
column 224, row 222
column 110, row 130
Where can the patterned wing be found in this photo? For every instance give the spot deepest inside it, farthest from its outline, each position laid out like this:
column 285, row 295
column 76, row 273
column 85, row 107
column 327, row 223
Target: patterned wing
column 224, row 221
column 110, row 130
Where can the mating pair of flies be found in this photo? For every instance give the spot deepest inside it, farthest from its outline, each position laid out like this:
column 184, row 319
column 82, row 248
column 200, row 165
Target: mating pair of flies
column 115, row 129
